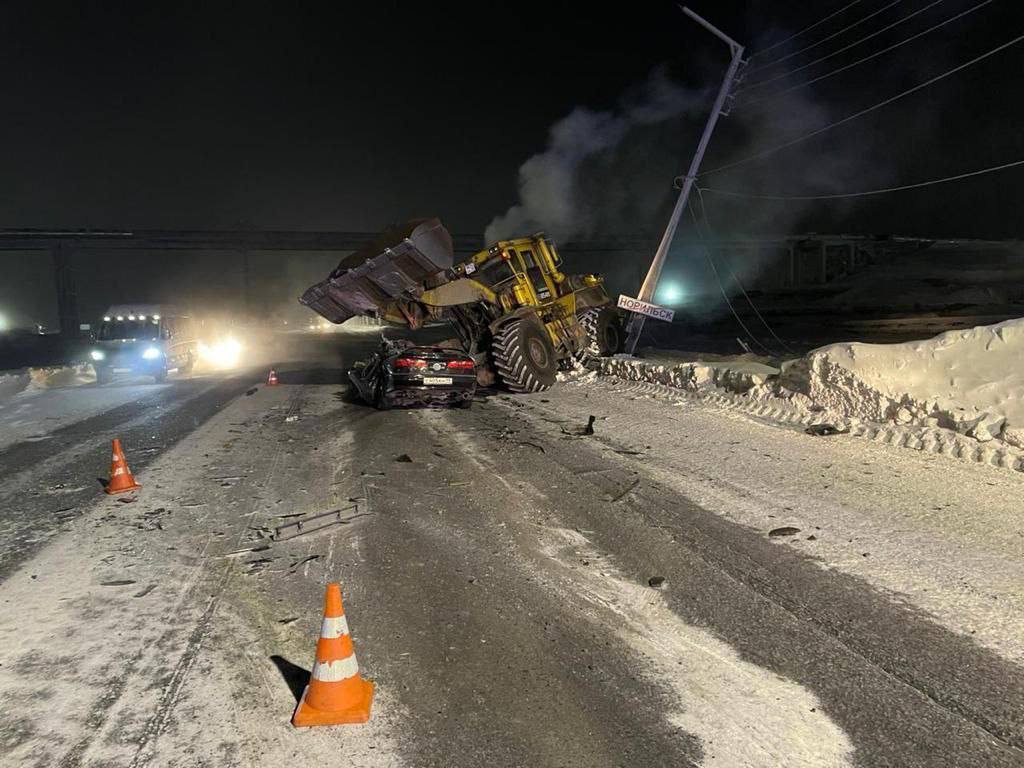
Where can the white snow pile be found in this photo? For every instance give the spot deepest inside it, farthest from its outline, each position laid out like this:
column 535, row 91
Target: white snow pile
column 733, row 376
column 34, row 379
column 13, row 382
column 971, row 381
column 61, row 376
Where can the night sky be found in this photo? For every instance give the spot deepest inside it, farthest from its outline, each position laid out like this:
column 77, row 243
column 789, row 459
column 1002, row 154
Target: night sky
column 350, row 116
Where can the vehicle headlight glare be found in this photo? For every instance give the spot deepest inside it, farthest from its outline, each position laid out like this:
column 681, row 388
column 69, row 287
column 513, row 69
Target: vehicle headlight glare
column 151, row 353
column 222, row 354
column 97, row 355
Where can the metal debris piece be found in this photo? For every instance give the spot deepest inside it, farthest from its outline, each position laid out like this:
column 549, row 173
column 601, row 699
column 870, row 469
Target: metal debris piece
column 825, row 430
column 117, row 583
column 532, row 445
column 146, row 591
column 625, row 491
column 294, row 566
column 656, row 581
column 252, row 391
column 787, row 530
column 404, row 458
column 584, row 432
column 247, row 550
column 316, row 523
column 289, row 620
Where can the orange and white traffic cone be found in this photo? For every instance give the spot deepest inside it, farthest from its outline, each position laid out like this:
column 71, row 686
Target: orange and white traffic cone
column 121, row 479
column 336, row 694
column 272, row 378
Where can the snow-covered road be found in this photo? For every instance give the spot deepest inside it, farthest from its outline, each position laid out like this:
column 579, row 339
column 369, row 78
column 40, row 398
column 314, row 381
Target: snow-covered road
column 498, row 587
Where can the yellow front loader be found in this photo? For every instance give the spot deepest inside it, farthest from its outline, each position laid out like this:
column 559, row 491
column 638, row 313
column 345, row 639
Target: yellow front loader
column 514, row 310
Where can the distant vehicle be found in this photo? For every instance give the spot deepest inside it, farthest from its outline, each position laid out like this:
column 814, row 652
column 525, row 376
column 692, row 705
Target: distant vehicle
column 403, row 374
column 144, row 339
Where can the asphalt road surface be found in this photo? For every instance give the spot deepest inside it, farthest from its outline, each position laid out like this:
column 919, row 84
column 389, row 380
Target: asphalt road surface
column 497, row 568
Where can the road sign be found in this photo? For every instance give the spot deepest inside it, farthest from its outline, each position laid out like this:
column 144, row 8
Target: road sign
column 643, row 308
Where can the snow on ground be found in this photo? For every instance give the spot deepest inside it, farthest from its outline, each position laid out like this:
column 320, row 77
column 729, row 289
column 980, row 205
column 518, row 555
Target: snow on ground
column 37, row 411
column 133, row 639
column 960, row 393
column 970, row 380
column 738, row 729
column 33, row 379
column 947, row 537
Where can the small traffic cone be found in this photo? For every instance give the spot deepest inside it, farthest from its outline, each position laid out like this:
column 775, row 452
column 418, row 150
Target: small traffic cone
column 272, row 378
column 121, row 479
column 336, row 694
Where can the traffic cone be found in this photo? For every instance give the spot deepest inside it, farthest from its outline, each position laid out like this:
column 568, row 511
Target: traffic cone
column 272, row 378
column 121, row 479
column 336, row 694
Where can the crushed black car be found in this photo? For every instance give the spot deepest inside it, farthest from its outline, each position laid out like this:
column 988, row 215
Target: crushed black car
column 403, row 374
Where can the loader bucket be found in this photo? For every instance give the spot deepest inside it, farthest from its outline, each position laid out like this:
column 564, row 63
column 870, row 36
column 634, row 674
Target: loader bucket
column 395, row 266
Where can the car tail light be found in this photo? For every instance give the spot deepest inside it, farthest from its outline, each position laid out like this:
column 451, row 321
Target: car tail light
column 410, row 362
column 461, row 365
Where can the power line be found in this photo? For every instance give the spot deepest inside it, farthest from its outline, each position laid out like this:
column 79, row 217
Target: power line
column 795, row 35
column 844, row 49
column 871, row 56
column 736, row 279
column 806, row 48
column 867, row 193
column 861, row 113
column 721, row 286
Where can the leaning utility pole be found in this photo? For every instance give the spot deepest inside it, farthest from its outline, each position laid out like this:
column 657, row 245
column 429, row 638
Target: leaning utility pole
column 650, row 284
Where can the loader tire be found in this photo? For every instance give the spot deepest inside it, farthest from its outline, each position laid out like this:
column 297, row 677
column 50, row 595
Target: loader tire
column 523, row 356
column 604, row 327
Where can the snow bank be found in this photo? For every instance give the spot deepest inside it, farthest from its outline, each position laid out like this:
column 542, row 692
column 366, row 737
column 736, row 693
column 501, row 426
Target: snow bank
column 13, row 382
column 61, row 376
column 35, row 379
column 959, row 394
column 971, row 381
column 738, row 377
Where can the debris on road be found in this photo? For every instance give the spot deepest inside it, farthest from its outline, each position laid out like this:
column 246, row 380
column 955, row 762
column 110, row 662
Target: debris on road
column 404, row 458
column 294, row 566
column 657, row 582
column 247, row 550
column 146, row 591
column 117, row 583
column 291, row 418
column 315, row 523
column 624, row 492
column 583, row 432
column 252, row 391
column 289, row 620
column 787, row 530
column 824, row 430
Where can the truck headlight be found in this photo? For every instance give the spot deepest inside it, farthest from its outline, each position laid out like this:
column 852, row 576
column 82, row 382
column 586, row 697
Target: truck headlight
column 97, row 355
column 151, row 353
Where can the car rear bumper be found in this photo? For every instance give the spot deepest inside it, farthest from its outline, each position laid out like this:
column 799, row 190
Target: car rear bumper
column 410, row 389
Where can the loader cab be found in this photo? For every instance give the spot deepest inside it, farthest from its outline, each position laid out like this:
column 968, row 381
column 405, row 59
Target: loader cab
column 534, row 262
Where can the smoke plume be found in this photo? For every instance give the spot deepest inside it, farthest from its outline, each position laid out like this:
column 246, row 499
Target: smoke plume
column 549, row 197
